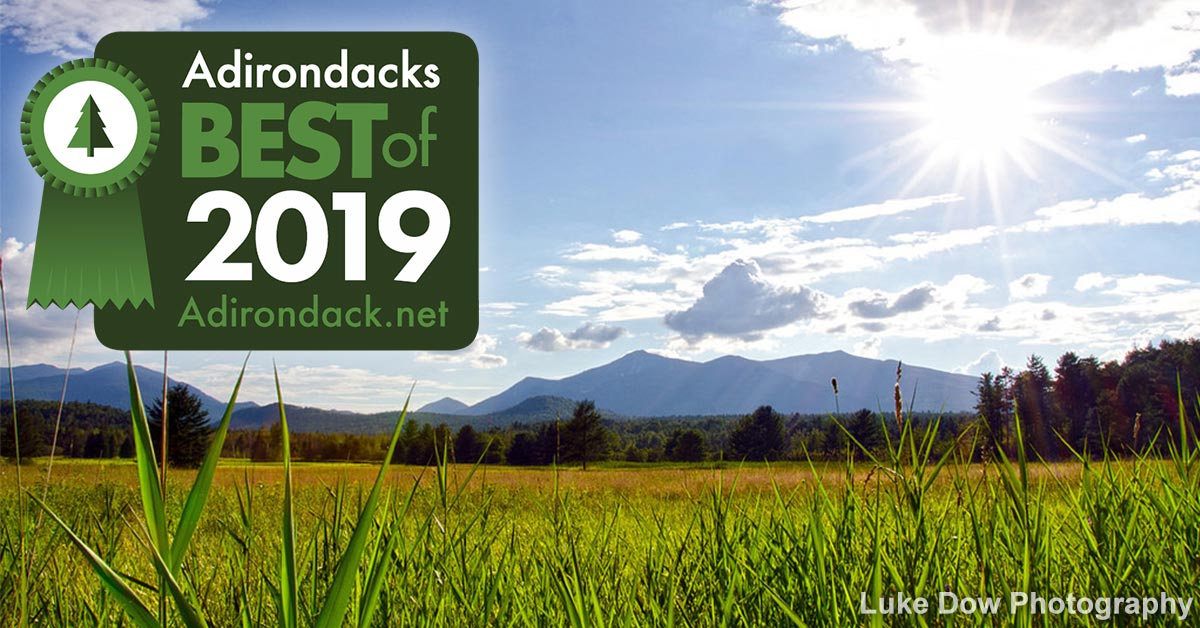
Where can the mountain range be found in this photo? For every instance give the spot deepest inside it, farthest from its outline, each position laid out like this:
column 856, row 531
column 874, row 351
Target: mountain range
column 107, row 384
column 639, row 384
column 645, row 384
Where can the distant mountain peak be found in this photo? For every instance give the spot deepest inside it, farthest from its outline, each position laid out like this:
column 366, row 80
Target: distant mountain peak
column 645, row 384
column 445, row 405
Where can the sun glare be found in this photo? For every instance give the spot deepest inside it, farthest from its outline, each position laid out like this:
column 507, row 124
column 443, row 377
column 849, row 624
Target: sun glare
column 978, row 120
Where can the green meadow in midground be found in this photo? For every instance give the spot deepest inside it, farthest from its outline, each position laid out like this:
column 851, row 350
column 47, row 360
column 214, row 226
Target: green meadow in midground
column 795, row 544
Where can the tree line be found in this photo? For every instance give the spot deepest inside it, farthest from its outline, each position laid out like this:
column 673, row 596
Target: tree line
column 1092, row 407
column 1084, row 405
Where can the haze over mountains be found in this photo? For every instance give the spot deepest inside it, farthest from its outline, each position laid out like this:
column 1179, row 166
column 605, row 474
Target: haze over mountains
column 644, row 384
column 640, row 384
column 107, row 384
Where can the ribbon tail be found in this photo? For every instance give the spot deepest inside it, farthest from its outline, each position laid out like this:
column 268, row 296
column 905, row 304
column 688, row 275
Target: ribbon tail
column 90, row 250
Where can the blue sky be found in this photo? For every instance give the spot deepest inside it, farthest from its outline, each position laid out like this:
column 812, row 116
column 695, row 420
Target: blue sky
column 942, row 183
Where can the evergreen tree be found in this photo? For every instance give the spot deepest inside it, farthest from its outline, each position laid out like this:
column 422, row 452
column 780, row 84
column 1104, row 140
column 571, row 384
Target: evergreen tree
column 523, row 450
column 467, row 447
column 990, row 408
column 90, row 134
column 30, row 432
column 420, row 452
column 584, row 437
column 867, row 429
column 188, row 429
column 1076, row 399
column 759, row 436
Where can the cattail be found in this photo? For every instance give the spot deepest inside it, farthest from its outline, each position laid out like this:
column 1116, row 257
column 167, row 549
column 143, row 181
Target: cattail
column 837, row 406
column 1137, row 426
column 899, row 406
column 834, row 382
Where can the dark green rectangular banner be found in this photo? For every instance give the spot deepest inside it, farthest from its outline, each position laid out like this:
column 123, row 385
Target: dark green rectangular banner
column 296, row 191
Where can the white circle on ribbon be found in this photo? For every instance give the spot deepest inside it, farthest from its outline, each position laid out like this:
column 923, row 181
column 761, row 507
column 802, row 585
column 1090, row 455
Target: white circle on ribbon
column 64, row 113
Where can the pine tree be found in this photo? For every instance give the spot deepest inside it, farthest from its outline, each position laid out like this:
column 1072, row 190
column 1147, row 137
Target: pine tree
column 759, row 436
column 467, row 447
column 584, row 437
column 188, row 429
column 90, row 134
column 29, row 430
column 991, row 411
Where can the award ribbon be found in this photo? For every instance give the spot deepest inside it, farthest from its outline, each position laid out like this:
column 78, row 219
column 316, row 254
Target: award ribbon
column 90, row 129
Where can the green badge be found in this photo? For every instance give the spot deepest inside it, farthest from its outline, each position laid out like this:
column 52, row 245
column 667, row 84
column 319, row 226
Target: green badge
column 308, row 190
column 90, row 129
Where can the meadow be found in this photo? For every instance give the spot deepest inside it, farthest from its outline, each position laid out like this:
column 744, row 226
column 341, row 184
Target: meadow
column 792, row 544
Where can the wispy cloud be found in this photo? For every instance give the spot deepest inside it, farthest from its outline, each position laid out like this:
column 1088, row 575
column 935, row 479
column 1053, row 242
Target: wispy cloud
column 1029, row 286
column 71, row 28
column 587, row 336
column 1127, row 285
column 880, row 305
column 480, row 354
column 1135, row 208
column 626, row 236
column 1037, row 41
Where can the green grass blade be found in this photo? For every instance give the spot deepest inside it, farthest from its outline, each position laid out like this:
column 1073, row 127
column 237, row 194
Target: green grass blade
column 383, row 562
column 287, row 560
column 200, row 487
column 334, row 609
column 147, row 465
column 191, row 617
column 129, row 601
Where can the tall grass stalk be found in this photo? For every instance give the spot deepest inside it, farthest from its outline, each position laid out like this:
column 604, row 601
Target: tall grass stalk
column 21, row 557
column 62, row 401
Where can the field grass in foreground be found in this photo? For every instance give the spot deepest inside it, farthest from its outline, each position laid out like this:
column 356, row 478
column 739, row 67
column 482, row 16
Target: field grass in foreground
column 324, row 546
column 690, row 546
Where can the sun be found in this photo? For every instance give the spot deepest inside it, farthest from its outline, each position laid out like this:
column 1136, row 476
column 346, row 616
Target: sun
column 978, row 112
column 978, row 120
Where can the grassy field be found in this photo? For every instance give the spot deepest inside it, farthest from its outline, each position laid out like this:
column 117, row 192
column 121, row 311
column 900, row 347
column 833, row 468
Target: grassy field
column 322, row 546
column 688, row 546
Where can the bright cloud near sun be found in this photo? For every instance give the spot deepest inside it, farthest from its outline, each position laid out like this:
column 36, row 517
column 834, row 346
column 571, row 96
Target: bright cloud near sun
column 1016, row 45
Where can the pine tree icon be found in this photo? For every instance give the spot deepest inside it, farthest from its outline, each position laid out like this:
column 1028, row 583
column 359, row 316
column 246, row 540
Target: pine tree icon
column 89, row 130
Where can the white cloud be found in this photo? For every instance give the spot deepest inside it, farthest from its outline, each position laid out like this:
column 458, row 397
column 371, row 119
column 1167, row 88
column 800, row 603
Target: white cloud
column 988, row 362
column 479, row 354
column 915, row 304
column 870, row 211
column 1183, row 80
column 1179, row 207
column 1128, row 285
column 877, row 210
column 626, row 236
column 1136, row 139
column 740, row 303
column 587, row 336
column 71, row 28
column 1029, row 286
column 1090, row 281
column 44, row 335
column 870, row 348
column 551, row 275
column 879, row 305
column 1034, row 42
column 325, row 386
column 500, row 308
column 607, row 253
